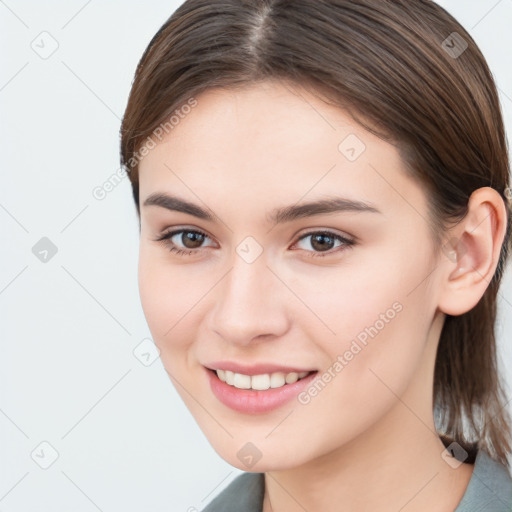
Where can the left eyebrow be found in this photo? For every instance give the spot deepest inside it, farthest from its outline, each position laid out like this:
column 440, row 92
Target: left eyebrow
column 328, row 205
column 277, row 216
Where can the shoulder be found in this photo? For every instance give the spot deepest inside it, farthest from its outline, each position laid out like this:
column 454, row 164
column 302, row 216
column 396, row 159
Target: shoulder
column 489, row 489
column 245, row 493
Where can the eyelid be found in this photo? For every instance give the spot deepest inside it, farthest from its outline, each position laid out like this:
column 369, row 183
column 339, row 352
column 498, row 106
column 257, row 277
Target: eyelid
column 167, row 234
column 177, row 229
column 330, row 231
column 347, row 241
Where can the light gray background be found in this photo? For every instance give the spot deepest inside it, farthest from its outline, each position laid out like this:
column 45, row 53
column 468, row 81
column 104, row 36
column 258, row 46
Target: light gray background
column 69, row 376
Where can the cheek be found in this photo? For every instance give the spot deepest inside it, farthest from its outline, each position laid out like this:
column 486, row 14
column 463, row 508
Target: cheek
column 379, row 322
column 167, row 297
column 362, row 379
column 175, row 298
column 346, row 304
column 390, row 359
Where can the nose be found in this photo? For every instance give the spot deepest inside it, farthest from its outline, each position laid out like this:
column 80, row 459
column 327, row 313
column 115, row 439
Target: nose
column 251, row 302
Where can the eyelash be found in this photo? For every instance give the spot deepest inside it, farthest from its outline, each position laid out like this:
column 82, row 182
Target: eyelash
column 347, row 242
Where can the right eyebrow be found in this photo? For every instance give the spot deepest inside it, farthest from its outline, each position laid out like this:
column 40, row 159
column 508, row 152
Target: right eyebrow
column 176, row 204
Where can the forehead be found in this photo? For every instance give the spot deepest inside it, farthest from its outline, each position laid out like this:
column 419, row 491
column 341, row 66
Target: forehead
column 283, row 119
column 278, row 143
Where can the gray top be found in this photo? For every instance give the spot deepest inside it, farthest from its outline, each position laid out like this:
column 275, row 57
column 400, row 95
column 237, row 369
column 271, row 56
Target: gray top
column 489, row 490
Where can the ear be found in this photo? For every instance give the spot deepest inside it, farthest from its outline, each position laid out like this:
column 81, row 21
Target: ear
column 471, row 255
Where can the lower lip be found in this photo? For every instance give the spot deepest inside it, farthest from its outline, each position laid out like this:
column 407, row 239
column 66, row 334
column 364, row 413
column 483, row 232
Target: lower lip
column 252, row 401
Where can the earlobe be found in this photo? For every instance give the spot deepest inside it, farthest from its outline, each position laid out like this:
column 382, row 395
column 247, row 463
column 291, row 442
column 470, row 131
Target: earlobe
column 471, row 256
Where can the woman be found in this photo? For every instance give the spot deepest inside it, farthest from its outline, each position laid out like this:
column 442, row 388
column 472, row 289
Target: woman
column 322, row 193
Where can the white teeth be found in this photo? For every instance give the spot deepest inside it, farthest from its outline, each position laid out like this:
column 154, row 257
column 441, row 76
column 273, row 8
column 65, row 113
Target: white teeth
column 291, row 378
column 277, row 380
column 259, row 382
column 242, row 381
column 230, row 377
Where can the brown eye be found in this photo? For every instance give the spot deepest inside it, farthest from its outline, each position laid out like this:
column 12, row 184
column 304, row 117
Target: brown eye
column 192, row 239
column 323, row 242
column 183, row 241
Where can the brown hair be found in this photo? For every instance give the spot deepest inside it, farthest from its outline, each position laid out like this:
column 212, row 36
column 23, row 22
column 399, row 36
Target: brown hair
column 397, row 67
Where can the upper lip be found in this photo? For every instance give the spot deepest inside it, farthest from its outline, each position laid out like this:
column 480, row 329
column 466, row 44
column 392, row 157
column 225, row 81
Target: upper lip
column 254, row 369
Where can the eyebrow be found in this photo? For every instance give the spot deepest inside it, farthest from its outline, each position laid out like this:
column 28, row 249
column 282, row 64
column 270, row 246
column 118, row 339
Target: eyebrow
column 277, row 216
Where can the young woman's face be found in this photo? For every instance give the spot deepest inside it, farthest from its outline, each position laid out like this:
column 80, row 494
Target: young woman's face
column 267, row 284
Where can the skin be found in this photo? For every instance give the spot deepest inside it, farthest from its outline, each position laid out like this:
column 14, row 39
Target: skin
column 368, row 439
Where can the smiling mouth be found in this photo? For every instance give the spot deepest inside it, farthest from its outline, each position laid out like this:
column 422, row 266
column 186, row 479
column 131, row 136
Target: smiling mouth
column 260, row 382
